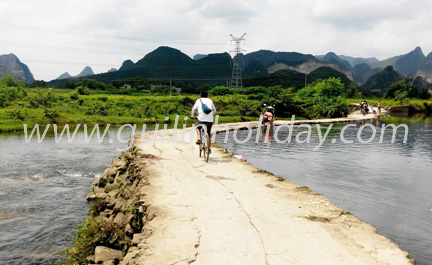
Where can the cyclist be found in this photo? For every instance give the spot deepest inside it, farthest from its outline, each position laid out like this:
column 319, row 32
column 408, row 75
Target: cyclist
column 203, row 118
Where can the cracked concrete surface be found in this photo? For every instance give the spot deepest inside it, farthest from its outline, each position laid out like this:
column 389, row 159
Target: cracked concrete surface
column 227, row 212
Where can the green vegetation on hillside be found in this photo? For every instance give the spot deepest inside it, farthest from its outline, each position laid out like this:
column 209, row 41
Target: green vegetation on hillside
column 294, row 79
column 382, row 80
column 406, row 89
column 267, row 58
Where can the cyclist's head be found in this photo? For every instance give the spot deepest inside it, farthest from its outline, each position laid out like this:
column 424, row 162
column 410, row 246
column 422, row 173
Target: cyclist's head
column 204, row 93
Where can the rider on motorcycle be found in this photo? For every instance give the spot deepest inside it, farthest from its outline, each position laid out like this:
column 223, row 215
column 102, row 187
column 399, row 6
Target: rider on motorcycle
column 268, row 114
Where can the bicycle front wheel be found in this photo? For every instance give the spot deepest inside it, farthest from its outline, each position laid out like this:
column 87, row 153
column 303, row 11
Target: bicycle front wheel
column 207, row 149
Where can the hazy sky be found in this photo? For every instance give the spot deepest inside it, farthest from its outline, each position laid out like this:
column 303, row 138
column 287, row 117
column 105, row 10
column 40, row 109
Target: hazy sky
column 53, row 37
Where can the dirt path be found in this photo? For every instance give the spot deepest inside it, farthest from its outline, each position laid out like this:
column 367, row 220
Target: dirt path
column 228, row 212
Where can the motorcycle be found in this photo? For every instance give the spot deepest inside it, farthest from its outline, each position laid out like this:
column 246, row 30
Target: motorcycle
column 268, row 114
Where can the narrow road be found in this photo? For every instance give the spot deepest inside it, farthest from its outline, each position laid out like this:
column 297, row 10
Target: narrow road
column 228, row 212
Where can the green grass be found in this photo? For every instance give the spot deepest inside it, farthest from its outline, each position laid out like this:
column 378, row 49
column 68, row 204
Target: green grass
column 11, row 127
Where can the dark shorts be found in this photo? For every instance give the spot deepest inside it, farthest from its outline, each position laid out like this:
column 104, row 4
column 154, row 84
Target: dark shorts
column 207, row 124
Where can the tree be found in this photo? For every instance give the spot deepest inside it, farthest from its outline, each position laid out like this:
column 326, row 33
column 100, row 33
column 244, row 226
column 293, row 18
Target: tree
column 352, row 91
column 402, row 89
column 325, row 98
column 39, row 83
column 331, row 87
column 424, row 94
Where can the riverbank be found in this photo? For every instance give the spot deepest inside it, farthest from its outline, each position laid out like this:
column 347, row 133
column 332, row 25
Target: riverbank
column 227, row 211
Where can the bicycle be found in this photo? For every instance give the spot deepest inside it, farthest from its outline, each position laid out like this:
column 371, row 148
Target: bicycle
column 204, row 146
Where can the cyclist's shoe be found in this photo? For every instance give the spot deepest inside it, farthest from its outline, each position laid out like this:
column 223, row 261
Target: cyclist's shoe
column 209, row 151
column 198, row 141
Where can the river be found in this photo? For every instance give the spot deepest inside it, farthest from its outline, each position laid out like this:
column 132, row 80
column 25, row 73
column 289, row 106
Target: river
column 43, row 185
column 387, row 185
column 43, row 189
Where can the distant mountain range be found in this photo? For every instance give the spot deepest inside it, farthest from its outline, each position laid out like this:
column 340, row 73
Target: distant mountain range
column 358, row 60
column 65, row 75
column 10, row 64
column 166, row 63
column 411, row 63
column 295, row 79
column 199, row 56
column 362, row 72
column 383, row 79
column 87, row 71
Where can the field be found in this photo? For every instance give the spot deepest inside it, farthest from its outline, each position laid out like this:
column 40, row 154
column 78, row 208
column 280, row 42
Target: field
column 43, row 106
column 82, row 105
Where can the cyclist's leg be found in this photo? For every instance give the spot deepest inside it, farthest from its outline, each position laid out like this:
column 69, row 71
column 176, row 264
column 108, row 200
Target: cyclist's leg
column 200, row 126
column 209, row 126
column 198, row 131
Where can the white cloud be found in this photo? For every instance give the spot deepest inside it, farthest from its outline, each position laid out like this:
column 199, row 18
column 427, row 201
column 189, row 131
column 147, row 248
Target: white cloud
column 104, row 33
column 364, row 13
column 233, row 11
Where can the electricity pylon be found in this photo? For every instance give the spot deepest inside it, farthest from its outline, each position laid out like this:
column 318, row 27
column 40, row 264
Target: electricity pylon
column 236, row 79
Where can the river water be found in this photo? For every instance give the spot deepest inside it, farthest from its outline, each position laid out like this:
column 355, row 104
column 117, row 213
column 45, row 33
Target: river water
column 387, row 185
column 43, row 189
column 43, row 185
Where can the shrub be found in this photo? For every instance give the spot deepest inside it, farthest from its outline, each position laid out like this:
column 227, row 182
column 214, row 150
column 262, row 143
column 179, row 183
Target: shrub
column 329, row 107
column 424, row 93
column 42, row 98
column 7, row 95
column 74, row 96
column 259, row 96
column 82, row 90
column 51, row 114
column 221, row 90
column 10, row 81
column 15, row 114
column 92, row 233
column 252, row 90
column 103, row 99
column 187, row 101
